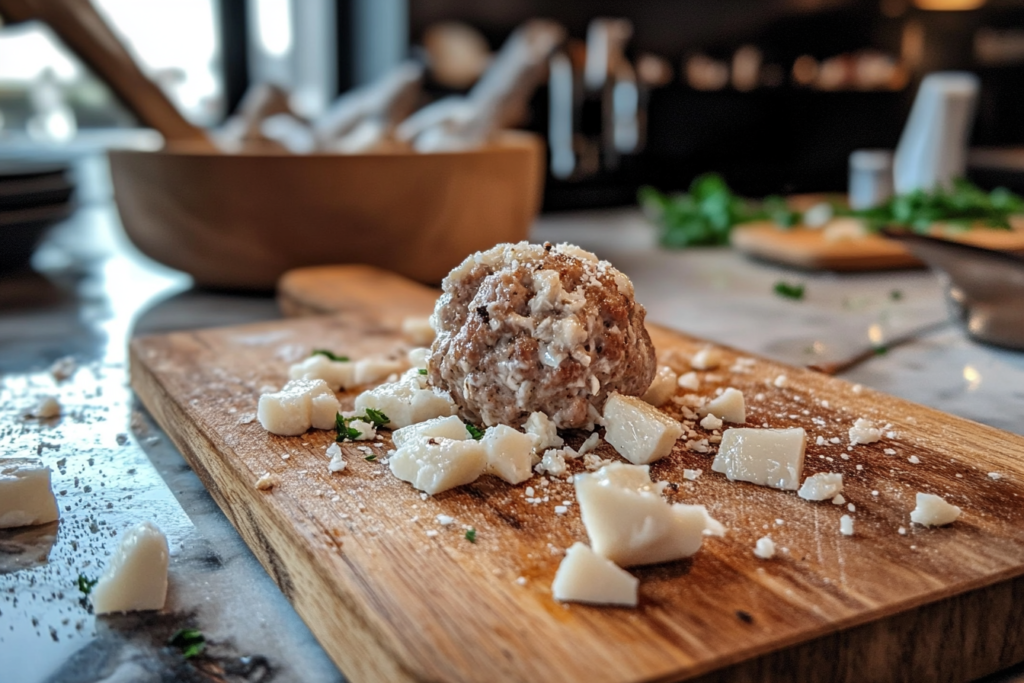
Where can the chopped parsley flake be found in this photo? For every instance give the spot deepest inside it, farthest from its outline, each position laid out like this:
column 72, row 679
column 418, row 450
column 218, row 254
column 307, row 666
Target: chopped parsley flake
column 423, row 371
column 474, row 431
column 371, row 458
column 85, row 584
column 788, row 291
column 881, row 350
column 346, row 433
column 329, row 354
column 896, row 295
column 376, row 417
column 471, row 535
column 190, row 641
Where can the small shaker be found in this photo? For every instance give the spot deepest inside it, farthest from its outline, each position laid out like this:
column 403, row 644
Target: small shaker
column 870, row 181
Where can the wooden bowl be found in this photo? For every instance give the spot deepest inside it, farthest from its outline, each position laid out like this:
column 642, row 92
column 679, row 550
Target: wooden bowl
column 241, row 220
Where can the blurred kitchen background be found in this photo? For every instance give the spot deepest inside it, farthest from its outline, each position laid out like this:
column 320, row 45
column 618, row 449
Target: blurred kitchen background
column 774, row 94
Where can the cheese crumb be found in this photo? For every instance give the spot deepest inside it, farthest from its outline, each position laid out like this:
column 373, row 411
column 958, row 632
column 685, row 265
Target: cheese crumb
column 914, row 460
column 864, row 432
column 995, row 476
column 47, row 407
column 689, row 381
column 765, row 548
column 267, row 481
column 711, row 422
column 561, row 509
column 445, row 520
column 691, row 475
column 932, row 510
column 706, row 359
column 838, row 500
column 821, row 486
column 820, row 441
column 902, row 531
column 781, row 381
column 846, row 525
column 63, row 368
column 889, row 451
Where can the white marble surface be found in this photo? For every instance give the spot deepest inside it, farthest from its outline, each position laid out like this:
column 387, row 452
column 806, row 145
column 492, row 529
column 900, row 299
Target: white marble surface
column 95, row 291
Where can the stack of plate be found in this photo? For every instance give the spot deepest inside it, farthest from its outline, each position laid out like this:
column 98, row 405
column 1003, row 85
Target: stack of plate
column 33, row 197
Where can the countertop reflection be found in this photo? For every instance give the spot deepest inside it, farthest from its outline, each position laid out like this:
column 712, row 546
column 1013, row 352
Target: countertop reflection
column 112, row 467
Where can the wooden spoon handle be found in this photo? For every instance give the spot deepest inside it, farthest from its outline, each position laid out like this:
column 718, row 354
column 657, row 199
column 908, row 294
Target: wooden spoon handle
column 83, row 30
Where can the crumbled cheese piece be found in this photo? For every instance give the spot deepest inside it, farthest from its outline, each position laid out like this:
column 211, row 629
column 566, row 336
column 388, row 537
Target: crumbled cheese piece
column 370, row 370
column 25, row 494
column 431, row 533
column 301, row 404
column 874, row 493
column 445, row 520
column 768, row 457
column 889, row 451
column 267, row 481
column 449, row 427
column 846, row 525
column 730, row 407
column 857, row 389
column 995, row 476
column 914, row 460
column 584, row 576
column 706, row 359
column 366, row 430
column 640, row 433
column 592, row 442
column 438, row 464
column 692, row 475
column 820, row 441
column 838, row 500
column 835, row 440
column 408, row 401
column 781, row 381
column 689, row 381
column 561, row 509
column 902, row 531
column 63, row 368
column 592, row 462
column 418, row 357
column 509, row 453
column 662, row 386
column 851, row 507
column 47, row 407
column 698, row 445
column 863, row 432
column 821, row 486
column 711, row 422
column 529, row 491
column 544, row 433
column 630, row 523
column 418, row 330
column 932, row 510
column 553, row 463
column 339, row 375
column 765, row 548
column 136, row 576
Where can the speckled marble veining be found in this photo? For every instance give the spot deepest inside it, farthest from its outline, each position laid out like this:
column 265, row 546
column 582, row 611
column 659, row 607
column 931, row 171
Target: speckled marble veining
column 113, row 467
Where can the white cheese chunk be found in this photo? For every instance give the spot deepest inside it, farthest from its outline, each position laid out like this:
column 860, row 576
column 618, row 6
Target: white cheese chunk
column 846, row 525
column 544, row 433
column 765, row 548
column 509, row 453
column 730, row 407
column 629, row 521
column 863, row 431
column 591, row 442
column 339, row 375
column 639, row 432
column 706, row 359
column 136, row 576
column 407, row 401
column 689, row 381
column 301, row 404
column 932, row 510
column 418, row 330
column 418, row 357
column 585, row 576
column 768, row 457
column 436, row 464
column 46, row 408
column 366, row 430
column 821, row 486
column 710, row 421
column 25, row 494
column 692, row 475
column 450, row 427
column 371, row 370
column 662, row 386
column 552, row 463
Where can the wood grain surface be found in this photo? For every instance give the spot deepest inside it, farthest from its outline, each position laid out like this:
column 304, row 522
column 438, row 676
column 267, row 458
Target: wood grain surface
column 390, row 602
column 809, row 250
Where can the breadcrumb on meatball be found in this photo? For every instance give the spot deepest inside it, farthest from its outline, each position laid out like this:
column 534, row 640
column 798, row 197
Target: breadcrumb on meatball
column 550, row 328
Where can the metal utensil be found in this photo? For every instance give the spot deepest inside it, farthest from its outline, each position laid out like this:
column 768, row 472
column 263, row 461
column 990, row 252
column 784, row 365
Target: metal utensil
column 984, row 288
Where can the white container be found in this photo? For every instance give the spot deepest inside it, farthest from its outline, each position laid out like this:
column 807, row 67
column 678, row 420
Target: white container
column 870, row 181
column 932, row 151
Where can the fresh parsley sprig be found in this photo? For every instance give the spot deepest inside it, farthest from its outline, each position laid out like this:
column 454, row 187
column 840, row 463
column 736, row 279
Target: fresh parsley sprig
column 789, row 291
column 85, row 584
column 963, row 205
column 346, row 433
column 475, row 431
column 471, row 535
column 190, row 641
column 329, row 354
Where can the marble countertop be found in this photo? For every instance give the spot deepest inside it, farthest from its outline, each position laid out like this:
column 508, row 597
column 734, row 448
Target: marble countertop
column 91, row 291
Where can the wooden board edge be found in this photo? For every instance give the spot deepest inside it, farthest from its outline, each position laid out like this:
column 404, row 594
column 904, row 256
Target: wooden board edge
column 364, row 657
column 935, row 642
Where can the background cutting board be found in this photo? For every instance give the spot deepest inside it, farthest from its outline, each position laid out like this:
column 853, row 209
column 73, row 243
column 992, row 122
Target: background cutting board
column 809, row 250
column 390, row 602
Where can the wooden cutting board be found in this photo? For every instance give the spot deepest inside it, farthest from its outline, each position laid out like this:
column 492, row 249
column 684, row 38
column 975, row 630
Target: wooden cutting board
column 808, row 249
column 390, row 600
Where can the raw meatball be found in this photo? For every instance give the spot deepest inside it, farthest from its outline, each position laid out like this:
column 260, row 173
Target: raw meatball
column 524, row 327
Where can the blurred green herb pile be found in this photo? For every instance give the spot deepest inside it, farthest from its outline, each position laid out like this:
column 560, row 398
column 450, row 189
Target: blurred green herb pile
column 709, row 211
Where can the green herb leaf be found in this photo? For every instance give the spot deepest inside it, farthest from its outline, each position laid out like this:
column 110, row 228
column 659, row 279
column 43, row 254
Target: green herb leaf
column 329, row 354
column 85, row 584
column 963, row 206
column 881, row 350
column 371, row 458
column 423, row 371
column 788, row 291
column 471, row 535
column 190, row 641
column 474, row 431
column 376, row 417
column 896, row 295
column 345, row 433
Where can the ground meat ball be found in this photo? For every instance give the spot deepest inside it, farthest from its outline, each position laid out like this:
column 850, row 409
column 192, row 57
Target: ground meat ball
column 524, row 328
